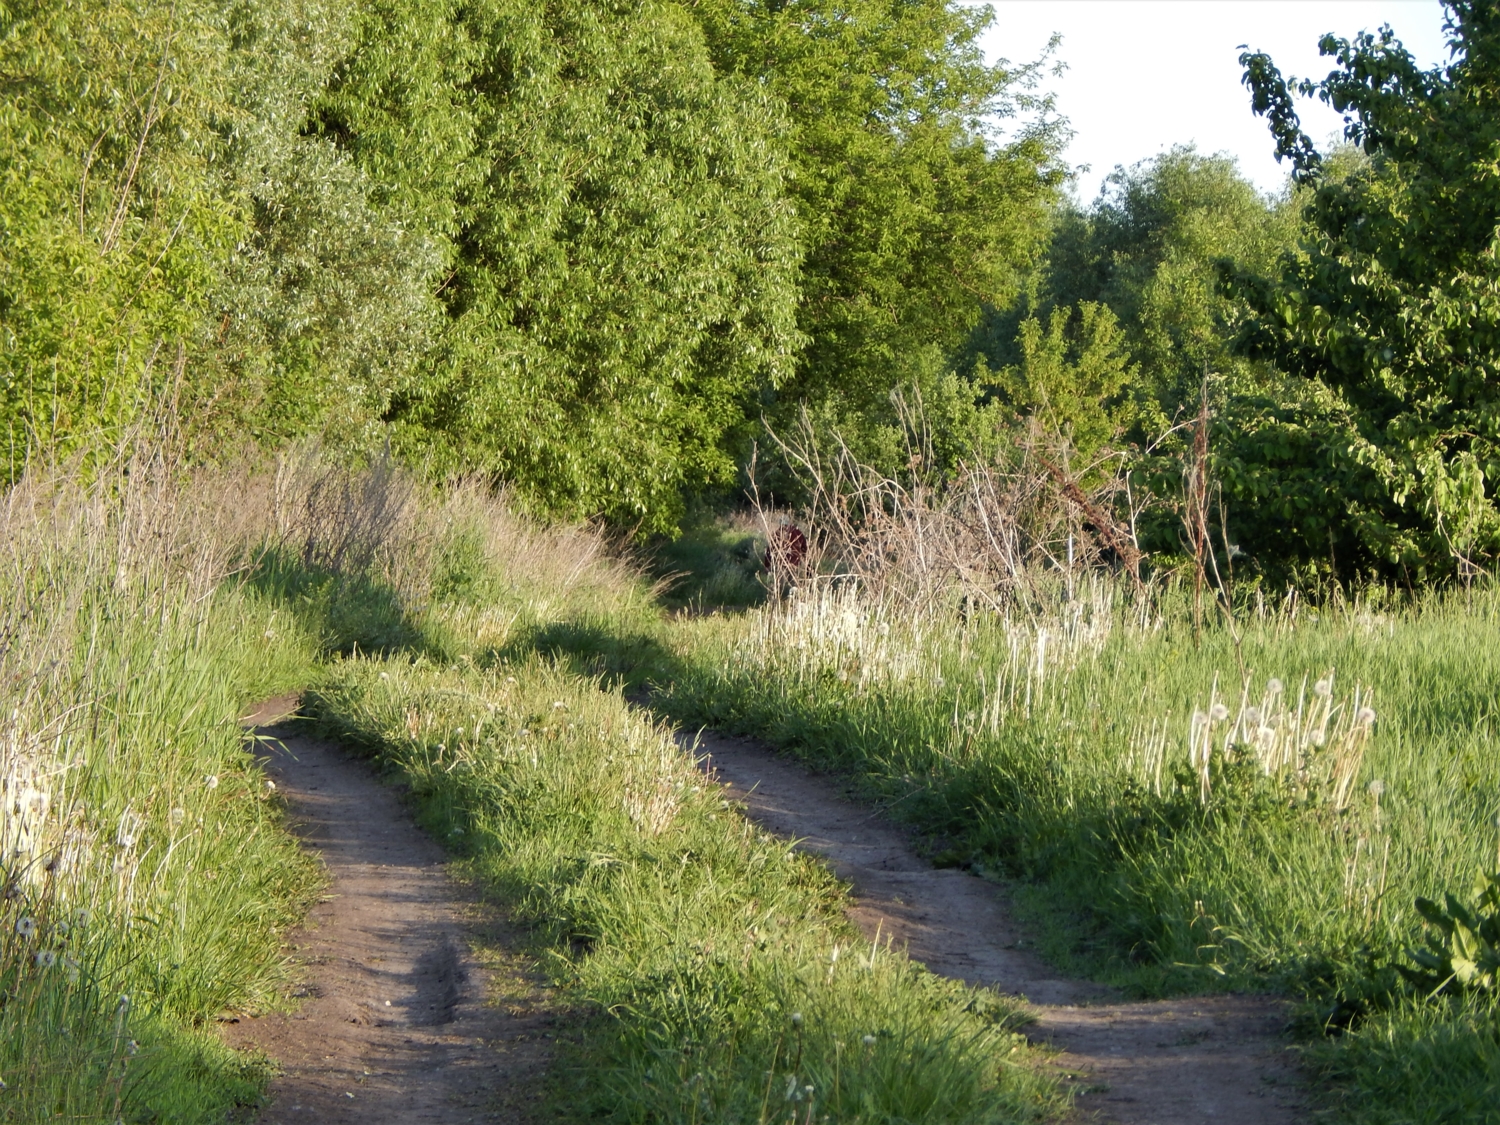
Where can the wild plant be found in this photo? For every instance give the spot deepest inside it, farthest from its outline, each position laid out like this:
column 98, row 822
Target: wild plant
column 1313, row 750
column 1011, row 531
column 1461, row 950
column 144, row 876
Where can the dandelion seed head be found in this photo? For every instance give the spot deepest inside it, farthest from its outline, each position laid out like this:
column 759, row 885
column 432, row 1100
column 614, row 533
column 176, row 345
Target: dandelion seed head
column 1376, row 788
column 176, row 817
column 385, row 675
column 26, row 927
column 559, row 705
column 1252, row 716
column 869, row 1040
column 1218, row 713
column 1323, row 689
column 796, row 1019
column 1273, row 686
column 270, row 786
column 45, row 958
column 212, row 781
column 1365, row 716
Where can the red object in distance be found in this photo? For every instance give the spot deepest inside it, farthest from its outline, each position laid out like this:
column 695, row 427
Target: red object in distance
column 788, row 547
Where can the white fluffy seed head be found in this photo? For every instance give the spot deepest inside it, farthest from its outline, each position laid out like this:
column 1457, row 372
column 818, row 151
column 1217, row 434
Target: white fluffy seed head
column 1218, row 713
column 1273, row 686
column 1365, row 716
column 1376, row 788
column 1323, row 689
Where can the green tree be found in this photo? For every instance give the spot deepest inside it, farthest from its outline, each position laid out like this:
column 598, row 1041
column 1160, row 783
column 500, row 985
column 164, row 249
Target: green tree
column 111, row 224
column 1071, row 376
column 624, row 267
column 170, row 227
column 1392, row 304
column 1148, row 249
column 914, row 212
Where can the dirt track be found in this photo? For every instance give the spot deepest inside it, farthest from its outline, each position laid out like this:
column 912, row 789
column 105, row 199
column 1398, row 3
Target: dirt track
column 1220, row 1059
column 394, row 1026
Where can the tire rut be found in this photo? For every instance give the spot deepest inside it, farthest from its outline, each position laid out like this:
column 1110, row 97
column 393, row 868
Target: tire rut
column 394, row 1023
column 1221, row 1059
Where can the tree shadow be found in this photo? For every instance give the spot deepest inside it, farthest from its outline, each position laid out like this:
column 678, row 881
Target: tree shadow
column 627, row 658
column 347, row 612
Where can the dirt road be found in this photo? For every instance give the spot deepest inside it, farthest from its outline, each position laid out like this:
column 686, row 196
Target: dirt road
column 1220, row 1059
column 394, row 1025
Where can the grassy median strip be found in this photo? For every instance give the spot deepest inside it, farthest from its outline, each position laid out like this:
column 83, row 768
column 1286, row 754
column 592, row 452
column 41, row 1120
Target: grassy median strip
column 728, row 985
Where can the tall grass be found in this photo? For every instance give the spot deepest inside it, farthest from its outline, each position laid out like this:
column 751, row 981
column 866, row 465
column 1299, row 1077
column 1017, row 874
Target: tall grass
column 146, row 874
column 1257, row 809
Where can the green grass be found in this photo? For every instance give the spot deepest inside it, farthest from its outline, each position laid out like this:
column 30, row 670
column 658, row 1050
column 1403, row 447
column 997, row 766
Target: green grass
column 148, row 893
column 471, row 655
column 1267, row 885
column 725, row 983
column 715, row 564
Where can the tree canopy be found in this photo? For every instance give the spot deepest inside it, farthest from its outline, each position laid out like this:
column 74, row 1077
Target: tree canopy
column 1392, row 301
column 915, row 211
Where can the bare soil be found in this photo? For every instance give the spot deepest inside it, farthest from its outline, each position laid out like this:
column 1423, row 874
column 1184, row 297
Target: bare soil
column 1220, row 1059
column 398, row 1019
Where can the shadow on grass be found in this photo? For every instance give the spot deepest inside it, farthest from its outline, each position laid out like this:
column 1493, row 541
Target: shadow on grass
column 346, row 612
column 628, row 658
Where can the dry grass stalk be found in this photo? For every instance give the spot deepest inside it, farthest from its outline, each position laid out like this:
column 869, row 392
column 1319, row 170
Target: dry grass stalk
column 989, row 536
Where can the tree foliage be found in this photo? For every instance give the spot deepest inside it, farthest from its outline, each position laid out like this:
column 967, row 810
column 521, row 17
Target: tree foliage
column 914, row 211
column 624, row 277
column 1392, row 304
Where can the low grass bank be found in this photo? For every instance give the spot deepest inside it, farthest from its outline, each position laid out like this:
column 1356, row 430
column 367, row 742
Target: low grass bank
column 1258, row 813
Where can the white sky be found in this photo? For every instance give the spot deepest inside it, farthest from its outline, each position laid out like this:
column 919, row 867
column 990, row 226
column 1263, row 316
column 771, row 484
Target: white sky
column 1143, row 75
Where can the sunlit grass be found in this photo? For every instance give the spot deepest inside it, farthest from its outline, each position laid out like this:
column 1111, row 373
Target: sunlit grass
column 1170, row 818
column 729, row 984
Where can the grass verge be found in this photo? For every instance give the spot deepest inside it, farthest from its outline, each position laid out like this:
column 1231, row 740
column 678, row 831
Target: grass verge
column 726, row 983
column 1059, row 753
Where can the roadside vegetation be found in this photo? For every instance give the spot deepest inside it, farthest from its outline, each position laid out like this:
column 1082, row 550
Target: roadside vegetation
column 710, row 968
column 1257, row 811
column 1139, row 551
